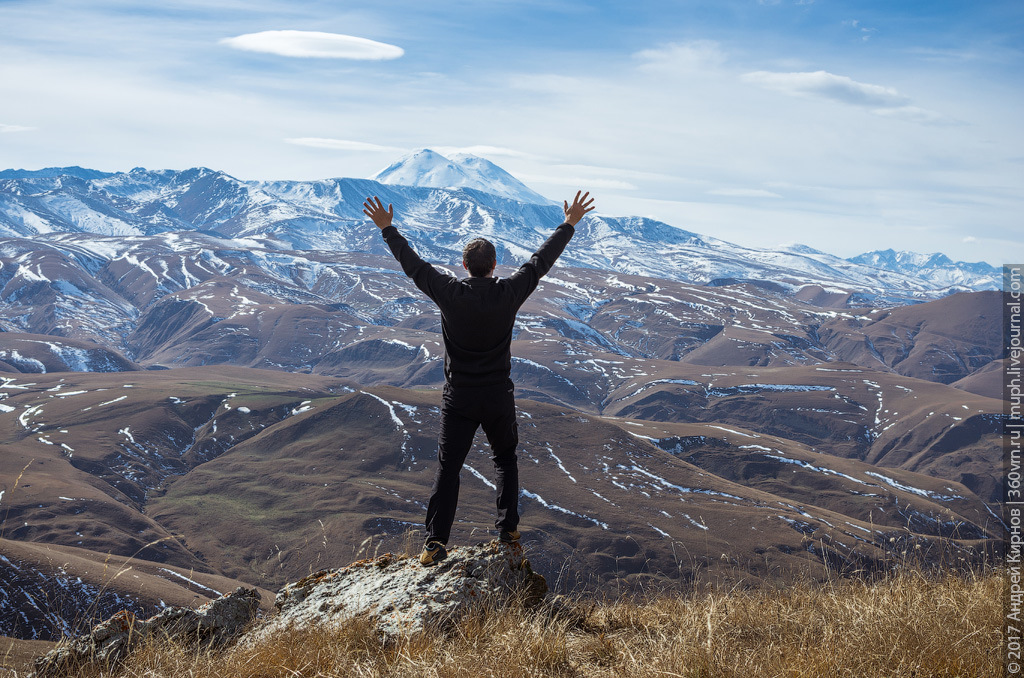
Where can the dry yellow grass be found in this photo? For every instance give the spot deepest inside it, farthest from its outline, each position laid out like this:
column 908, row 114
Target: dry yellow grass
column 907, row 625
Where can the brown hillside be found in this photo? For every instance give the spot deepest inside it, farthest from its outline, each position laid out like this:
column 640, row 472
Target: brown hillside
column 269, row 476
column 48, row 591
column 943, row 340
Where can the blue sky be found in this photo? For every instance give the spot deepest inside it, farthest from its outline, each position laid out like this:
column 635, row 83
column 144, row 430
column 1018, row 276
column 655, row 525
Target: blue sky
column 846, row 126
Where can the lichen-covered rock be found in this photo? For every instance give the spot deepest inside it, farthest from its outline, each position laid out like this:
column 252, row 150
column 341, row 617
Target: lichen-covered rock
column 401, row 596
column 213, row 625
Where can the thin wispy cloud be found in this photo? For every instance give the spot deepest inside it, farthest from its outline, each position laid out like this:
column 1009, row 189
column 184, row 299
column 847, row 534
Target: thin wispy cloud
column 827, row 85
column 744, row 193
column 482, row 151
column 880, row 100
column 343, row 145
column 697, row 55
column 865, row 31
column 915, row 114
column 9, row 129
column 362, row 146
column 590, row 182
column 620, row 173
column 935, row 54
column 314, row 44
column 546, row 83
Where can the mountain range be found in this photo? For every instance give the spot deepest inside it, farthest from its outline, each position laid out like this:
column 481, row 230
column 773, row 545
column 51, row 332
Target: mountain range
column 233, row 381
column 327, row 215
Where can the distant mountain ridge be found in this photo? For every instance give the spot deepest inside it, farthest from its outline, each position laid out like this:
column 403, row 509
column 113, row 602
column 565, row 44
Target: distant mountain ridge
column 50, row 172
column 327, row 214
column 936, row 267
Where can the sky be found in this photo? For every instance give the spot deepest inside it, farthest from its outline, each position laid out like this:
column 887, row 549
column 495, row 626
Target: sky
column 844, row 126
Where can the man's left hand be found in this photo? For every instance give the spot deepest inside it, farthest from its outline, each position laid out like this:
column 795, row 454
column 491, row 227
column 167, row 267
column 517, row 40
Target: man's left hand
column 374, row 209
column 578, row 209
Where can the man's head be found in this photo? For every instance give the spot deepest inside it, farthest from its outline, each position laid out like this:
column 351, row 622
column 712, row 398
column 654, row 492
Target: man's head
column 479, row 258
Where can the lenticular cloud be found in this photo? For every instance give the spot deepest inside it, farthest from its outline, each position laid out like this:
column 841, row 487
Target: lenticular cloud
column 314, row 44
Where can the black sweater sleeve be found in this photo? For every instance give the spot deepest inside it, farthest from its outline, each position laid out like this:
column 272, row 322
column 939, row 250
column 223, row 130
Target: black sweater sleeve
column 428, row 279
column 524, row 281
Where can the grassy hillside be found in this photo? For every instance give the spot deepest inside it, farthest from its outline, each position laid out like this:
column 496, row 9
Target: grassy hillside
column 905, row 625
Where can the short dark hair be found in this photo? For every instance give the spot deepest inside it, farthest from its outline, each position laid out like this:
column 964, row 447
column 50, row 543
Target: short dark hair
column 479, row 257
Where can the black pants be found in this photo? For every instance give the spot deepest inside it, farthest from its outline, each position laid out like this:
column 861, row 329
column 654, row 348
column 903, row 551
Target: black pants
column 463, row 410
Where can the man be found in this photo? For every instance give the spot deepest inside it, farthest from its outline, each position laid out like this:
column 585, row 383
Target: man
column 477, row 316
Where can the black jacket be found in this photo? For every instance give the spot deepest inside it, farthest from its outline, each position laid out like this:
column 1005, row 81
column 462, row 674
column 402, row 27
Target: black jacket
column 477, row 314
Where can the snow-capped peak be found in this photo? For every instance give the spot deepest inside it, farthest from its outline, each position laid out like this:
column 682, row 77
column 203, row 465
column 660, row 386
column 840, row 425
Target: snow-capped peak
column 431, row 169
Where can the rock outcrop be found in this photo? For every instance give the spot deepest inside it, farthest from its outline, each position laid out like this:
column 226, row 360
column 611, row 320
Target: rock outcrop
column 215, row 624
column 401, row 596
column 398, row 594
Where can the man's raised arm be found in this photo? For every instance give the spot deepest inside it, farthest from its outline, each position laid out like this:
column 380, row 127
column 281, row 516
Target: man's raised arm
column 525, row 279
column 427, row 278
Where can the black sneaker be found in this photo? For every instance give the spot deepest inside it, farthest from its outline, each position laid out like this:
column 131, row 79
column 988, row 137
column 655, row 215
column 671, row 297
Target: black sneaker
column 509, row 537
column 433, row 552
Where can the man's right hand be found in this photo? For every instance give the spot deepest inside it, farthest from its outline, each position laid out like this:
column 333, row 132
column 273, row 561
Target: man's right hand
column 579, row 207
column 374, row 209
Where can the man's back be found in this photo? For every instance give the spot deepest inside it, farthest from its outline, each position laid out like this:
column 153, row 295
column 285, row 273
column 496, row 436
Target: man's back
column 478, row 313
column 477, row 320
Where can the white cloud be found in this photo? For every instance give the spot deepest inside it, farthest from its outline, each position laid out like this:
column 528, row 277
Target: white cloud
column 744, row 193
column 883, row 101
column 349, row 145
column 546, row 83
column 827, row 85
column 933, row 54
column 864, row 30
column 970, row 238
column 314, row 44
column 6, row 129
column 621, row 173
column 699, row 55
column 483, row 151
column 343, row 145
column 588, row 183
column 915, row 114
